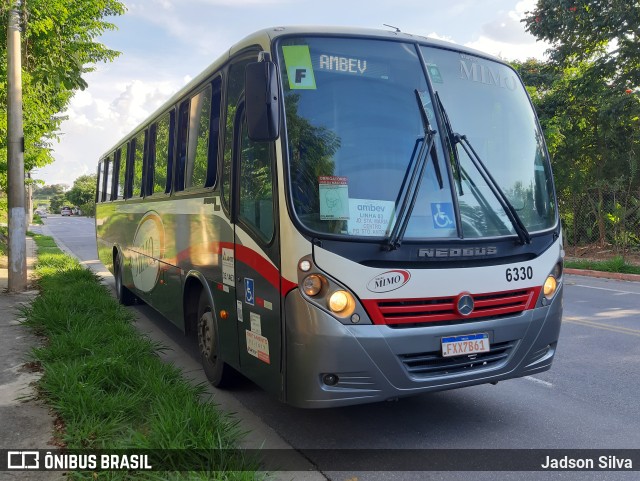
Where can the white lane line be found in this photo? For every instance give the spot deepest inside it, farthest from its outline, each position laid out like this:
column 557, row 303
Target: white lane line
column 538, row 381
column 605, row 289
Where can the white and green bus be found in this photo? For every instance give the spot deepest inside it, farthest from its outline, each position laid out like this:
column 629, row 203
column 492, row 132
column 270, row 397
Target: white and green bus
column 343, row 216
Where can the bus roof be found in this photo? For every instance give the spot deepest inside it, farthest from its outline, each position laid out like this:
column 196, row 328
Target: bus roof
column 264, row 39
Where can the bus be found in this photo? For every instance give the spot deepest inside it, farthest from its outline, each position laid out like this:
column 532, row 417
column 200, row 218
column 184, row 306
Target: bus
column 343, row 216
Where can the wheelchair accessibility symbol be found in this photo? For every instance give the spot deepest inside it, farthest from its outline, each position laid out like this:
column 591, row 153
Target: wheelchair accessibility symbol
column 442, row 214
column 249, row 294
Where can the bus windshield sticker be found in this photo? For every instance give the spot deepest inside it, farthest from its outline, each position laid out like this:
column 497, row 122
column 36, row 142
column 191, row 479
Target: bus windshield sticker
column 297, row 59
column 255, row 323
column 370, row 217
column 228, row 267
column 249, row 294
column 442, row 214
column 434, row 73
column 239, row 310
column 258, row 346
column 334, row 197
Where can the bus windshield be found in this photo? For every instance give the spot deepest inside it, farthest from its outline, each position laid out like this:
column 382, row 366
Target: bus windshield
column 354, row 129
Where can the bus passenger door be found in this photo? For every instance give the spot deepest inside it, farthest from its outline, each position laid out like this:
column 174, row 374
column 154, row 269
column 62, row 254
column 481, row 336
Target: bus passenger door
column 257, row 259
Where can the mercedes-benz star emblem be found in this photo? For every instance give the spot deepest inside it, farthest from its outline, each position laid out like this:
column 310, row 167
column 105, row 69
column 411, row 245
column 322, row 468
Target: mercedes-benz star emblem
column 465, row 304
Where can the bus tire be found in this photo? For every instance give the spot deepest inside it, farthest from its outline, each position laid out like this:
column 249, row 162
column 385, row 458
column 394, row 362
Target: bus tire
column 124, row 295
column 217, row 371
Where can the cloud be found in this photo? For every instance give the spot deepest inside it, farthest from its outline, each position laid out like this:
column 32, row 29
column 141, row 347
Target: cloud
column 506, row 37
column 100, row 116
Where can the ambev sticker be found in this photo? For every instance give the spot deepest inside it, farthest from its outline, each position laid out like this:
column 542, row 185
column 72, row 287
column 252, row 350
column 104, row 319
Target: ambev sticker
column 334, row 197
column 370, row 217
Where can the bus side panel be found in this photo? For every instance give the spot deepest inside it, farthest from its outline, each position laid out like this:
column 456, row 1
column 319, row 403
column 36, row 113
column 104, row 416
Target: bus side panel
column 199, row 236
column 112, row 230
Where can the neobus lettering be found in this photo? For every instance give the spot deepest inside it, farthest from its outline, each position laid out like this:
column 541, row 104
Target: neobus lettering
column 458, row 252
column 343, row 64
column 483, row 74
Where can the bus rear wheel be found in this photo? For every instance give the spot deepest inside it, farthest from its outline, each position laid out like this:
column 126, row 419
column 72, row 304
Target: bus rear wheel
column 217, row 371
column 125, row 296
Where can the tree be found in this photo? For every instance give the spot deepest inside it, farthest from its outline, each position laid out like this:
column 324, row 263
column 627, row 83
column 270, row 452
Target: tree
column 57, row 201
column 83, row 190
column 47, row 191
column 59, row 47
column 591, row 129
column 590, row 108
column 605, row 32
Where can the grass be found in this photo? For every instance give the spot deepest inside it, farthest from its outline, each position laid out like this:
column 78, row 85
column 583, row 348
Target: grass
column 616, row 264
column 107, row 384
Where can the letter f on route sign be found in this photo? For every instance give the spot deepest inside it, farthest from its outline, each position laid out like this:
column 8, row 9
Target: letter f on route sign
column 300, row 74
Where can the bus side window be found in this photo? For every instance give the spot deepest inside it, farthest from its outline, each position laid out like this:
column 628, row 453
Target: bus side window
column 122, row 171
column 159, row 154
column 235, row 86
column 214, row 136
column 138, row 163
column 108, row 174
column 99, row 181
column 195, row 173
column 256, row 185
column 183, row 129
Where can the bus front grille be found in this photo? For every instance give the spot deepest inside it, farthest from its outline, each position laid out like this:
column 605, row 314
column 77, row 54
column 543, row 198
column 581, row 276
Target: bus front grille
column 432, row 364
column 417, row 312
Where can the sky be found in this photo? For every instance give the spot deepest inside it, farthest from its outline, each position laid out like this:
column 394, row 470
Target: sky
column 166, row 43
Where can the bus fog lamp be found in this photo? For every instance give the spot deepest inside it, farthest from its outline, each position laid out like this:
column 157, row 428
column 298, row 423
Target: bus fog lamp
column 550, row 286
column 330, row 379
column 311, row 285
column 355, row 318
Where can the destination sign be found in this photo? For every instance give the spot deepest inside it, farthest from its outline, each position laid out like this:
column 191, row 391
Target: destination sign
column 355, row 66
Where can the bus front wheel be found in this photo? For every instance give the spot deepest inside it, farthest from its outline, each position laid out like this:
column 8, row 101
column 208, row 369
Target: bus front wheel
column 125, row 296
column 217, row 371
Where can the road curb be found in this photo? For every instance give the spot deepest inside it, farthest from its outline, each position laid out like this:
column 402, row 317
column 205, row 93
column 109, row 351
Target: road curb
column 603, row 275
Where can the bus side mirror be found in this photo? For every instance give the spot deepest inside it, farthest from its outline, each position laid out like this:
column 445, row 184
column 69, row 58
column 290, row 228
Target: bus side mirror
column 262, row 105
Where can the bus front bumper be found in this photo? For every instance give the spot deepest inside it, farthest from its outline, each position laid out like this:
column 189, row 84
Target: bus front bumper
column 369, row 363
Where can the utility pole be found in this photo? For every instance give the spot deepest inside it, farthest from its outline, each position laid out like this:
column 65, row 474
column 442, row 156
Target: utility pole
column 15, row 157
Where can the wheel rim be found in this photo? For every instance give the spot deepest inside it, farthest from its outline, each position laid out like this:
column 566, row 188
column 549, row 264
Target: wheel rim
column 207, row 336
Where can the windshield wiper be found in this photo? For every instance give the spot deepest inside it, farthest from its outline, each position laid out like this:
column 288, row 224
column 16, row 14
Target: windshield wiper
column 451, row 143
column 413, row 179
column 516, row 221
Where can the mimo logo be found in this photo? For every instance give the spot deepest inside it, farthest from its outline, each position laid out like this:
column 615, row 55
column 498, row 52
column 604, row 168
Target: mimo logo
column 389, row 281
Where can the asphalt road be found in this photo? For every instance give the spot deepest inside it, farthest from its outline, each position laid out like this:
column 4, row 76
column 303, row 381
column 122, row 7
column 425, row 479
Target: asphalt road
column 588, row 400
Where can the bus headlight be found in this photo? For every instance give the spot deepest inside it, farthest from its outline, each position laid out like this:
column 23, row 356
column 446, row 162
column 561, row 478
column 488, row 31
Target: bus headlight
column 341, row 302
column 550, row 286
column 312, row 285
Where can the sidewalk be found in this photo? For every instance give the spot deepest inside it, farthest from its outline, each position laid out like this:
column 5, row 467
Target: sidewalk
column 25, row 423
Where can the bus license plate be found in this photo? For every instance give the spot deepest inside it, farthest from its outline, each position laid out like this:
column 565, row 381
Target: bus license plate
column 463, row 345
